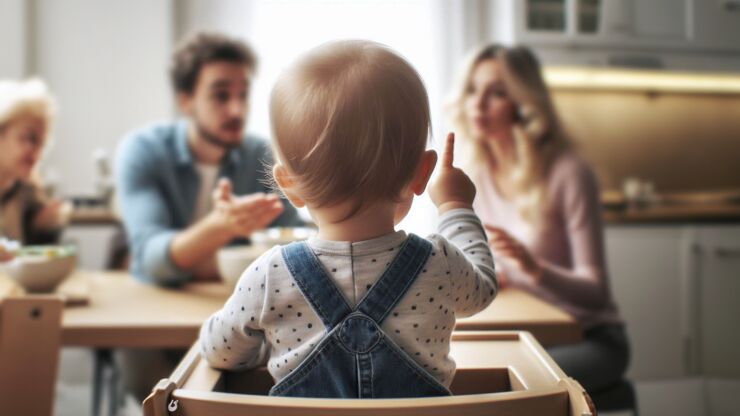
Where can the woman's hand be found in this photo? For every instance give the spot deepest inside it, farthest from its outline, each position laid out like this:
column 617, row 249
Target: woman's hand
column 8, row 248
column 6, row 255
column 452, row 188
column 510, row 248
column 54, row 214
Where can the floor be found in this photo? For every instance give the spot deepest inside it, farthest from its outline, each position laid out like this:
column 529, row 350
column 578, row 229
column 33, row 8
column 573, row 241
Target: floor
column 74, row 389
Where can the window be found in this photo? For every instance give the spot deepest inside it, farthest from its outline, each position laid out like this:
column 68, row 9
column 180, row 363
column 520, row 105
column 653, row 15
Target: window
column 281, row 30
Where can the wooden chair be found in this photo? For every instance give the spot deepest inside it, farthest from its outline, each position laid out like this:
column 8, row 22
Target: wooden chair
column 502, row 373
column 30, row 334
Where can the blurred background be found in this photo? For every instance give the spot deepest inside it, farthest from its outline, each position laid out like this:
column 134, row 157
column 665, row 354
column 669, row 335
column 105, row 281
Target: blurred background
column 649, row 90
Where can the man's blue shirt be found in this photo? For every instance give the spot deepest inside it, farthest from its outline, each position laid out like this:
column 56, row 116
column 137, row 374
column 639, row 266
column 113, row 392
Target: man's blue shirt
column 157, row 185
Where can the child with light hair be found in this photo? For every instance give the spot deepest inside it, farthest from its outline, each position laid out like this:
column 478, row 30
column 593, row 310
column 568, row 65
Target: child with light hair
column 361, row 310
column 26, row 215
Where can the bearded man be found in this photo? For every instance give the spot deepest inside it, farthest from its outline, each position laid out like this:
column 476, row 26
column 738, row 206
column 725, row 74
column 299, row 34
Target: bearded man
column 189, row 187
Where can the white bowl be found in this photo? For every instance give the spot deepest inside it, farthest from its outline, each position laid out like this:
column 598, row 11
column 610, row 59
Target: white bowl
column 281, row 235
column 233, row 260
column 40, row 269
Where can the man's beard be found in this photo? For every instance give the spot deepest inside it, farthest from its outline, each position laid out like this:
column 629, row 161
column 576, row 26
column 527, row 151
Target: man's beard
column 214, row 138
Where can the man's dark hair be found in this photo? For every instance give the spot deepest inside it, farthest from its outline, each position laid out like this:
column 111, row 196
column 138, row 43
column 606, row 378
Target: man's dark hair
column 204, row 48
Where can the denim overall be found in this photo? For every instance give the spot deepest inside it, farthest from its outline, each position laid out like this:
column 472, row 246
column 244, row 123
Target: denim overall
column 356, row 359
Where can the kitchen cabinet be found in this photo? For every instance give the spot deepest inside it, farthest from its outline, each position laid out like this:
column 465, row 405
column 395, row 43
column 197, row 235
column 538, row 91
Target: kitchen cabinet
column 632, row 23
column 716, row 24
column 684, row 35
column 722, row 396
column 718, row 323
column 94, row 243
column 646, row 267
column 659, row 19
column 678, row 290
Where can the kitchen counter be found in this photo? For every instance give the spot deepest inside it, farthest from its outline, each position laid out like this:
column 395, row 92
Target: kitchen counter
column 698, row 213
column 94, row 216
column 706, row 207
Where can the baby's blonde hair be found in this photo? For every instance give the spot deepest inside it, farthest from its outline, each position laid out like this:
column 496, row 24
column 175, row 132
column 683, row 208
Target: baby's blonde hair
column 350, row 121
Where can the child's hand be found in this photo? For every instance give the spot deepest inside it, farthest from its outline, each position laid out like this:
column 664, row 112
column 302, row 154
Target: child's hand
column 452, row 188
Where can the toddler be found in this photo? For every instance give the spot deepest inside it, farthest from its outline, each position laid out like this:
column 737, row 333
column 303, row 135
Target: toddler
column 361, row 310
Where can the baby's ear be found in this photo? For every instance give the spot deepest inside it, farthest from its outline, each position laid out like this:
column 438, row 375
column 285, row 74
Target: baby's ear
column 424, row 171
column 285, row 182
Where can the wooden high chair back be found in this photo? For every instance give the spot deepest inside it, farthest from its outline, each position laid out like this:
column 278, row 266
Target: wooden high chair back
column 30, row 334
column 501, row 373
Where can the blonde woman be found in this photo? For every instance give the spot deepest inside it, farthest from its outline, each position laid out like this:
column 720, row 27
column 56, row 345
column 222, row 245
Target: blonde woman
column 26, row 215
column 540, row 204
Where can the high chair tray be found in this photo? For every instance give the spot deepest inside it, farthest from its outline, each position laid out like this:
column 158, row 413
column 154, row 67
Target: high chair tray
column 502, row 373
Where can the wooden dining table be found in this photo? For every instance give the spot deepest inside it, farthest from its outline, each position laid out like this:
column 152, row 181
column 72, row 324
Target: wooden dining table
column 111, row 310
column 121, row 312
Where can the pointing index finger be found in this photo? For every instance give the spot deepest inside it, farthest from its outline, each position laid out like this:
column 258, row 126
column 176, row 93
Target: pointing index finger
column 495, row 230
column 224, row 185
column 449, row 151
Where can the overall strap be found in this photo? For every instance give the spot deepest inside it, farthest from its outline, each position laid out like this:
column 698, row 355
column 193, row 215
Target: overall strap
column 316, row 285
column 397, row 278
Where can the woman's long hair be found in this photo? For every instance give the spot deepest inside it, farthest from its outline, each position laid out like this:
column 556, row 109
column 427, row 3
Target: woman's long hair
column 537, row 144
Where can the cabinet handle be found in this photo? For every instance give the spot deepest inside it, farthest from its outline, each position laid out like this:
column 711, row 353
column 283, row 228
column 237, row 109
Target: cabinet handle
column 691, row 357
column 688, row 353
column 727, row 253
column 731, row 5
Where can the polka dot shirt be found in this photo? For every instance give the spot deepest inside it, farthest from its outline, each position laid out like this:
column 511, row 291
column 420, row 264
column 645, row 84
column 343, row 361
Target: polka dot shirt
column 268, row 321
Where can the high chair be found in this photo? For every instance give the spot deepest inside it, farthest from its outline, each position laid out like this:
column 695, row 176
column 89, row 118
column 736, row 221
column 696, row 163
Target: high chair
column 30, row 334
column 503, row 373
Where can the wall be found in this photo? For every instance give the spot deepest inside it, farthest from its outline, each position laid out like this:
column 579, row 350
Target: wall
column 12, row 38
column 680, row 141
column 230, row 17
column 106, row 62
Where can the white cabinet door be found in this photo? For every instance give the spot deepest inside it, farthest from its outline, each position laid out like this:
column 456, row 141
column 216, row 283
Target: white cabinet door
column 646, row 266
column 722, row 396
column 719, row 301
column 637, row 31
column 717, row 24
column 94, row 244
column 660, row 19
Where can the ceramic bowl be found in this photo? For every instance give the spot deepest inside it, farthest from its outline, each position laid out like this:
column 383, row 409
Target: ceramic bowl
column 281, row 235
column 40, row 269
column 233, row 260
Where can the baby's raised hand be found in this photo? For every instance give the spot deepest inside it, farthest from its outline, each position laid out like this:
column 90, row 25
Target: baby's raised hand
column 452, row 188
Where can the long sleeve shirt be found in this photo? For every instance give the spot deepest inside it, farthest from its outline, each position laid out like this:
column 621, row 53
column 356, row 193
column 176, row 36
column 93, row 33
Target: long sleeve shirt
column 568, row 243
column 158, row 183
column 268, row 320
